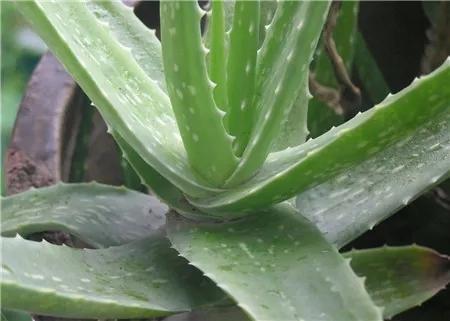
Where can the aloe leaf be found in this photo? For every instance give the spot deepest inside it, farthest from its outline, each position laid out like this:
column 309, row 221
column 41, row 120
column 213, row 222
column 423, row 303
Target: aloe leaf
column 356, row 200
column 396, row 278
column 11, row 315
column 141, row 279
column 373, row 138
column 267, row 9
column 399, row 278
column 269, row 263
column 130, row 101
column 241, row 72
column 320, row 116
column 132, row 33
column 157, row 184
column 283, row 62
column 369, row 72
column 99, row 215
column 207, row 143
column 217, row 42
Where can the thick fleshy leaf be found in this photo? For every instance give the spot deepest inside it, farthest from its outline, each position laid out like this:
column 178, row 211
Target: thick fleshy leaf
column 208, row 146
column 99, row 215
column 272, row 263
column 11, row 315
column 132, row 33
column 217, row 41
column 283, row 62
column 131, row 102
column 353, row 202
column 379, row 140
column 157, row 184
column 241, row 72
column 399, row 278
column 142, row 279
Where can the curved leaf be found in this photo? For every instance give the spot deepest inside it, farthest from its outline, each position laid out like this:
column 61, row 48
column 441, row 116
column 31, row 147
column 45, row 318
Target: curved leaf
column 158, row 185
column 241, row 72
column 130, row 101
column 388, row 126
column 399, row 278
column 282, row 69
column 217, row 41
column 208, row 146
column 99, row 215
column 11, row 315
column 353, row 202
column 141, row 279
column 132, row 33
column 276, row 266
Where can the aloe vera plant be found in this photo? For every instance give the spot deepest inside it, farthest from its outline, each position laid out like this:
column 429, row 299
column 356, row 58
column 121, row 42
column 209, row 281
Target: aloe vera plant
column 215, row 125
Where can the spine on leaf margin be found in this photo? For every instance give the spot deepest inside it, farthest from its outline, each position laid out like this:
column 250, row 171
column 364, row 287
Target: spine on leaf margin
column 200, row 121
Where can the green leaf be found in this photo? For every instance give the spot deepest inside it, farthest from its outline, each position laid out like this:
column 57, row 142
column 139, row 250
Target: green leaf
column 208, row 146
column 241, row 72
column 399, row 278
column 369, row 138
column 141, row 279
column 217, row 41
column 157, row 184
column 271, row 263
column 132, row 33
column 267, row 9
column 99, row 215
column 396, row 278
column 283, row 62
column 10, row 315
column 131, row 102
column 353, row 202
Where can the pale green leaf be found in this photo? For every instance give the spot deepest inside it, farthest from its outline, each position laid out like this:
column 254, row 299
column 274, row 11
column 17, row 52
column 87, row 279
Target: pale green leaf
column 141, row 279
column 276, row 266
column 390, row 128
column 208, row 146
column 217, row 41
column 99, row 215
column 241, row 72
column 131, row 102
column 282, row 71
column 357, row 199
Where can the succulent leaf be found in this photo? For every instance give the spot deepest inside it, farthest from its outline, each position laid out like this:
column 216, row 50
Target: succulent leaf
column 99, row 215
column 132, row 33
column 130, row 101
column 145, row 278
column 399, row 119
column 282, row 69
column 157, row 184
column 11, row 315
column 356, row 200
column 399, row 278
column 208, row 146
column 217, row 41
column 396, row 278
column 269, row 263
column 241, row 72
